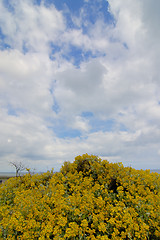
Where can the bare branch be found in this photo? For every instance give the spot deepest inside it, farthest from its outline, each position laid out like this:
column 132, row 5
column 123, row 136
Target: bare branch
column 19, row 166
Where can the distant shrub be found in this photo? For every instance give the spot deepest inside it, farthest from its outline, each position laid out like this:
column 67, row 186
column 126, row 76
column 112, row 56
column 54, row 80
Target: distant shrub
column 88, row 199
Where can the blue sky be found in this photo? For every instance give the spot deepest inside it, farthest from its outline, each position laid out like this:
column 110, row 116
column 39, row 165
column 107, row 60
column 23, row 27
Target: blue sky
column 79, row 77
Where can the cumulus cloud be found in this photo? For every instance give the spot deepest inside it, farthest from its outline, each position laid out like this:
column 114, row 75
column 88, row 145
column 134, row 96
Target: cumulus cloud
column 81, row 89
column 30, row 27
column 107, row 103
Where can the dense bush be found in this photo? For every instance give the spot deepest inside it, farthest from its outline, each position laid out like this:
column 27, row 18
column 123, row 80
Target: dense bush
column 87, row 199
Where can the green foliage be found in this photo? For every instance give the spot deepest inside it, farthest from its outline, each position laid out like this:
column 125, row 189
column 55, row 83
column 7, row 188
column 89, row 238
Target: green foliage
column 87, row 199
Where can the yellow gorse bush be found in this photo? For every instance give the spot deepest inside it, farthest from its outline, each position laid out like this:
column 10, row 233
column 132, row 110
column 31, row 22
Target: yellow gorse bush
column 87, row 199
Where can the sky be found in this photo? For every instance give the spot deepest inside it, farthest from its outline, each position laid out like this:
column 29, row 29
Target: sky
column 79, row 76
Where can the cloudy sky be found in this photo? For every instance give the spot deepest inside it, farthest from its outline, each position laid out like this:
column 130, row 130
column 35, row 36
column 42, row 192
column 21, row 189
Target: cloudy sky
column 79, row 76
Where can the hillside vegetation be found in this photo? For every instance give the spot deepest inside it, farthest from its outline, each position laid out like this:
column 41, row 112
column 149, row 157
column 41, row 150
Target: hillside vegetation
column 87, row 199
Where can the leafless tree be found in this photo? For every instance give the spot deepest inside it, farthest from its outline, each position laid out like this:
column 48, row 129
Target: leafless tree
column 19, row 166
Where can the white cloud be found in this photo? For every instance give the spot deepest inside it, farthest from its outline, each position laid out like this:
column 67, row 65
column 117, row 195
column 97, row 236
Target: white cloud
column 129, row 27
column 31, row 26
column 79, row 123
column 120, row 83
column 25, row 81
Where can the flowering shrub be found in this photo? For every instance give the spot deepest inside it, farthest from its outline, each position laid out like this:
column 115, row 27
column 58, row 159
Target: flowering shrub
column 87, row 199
